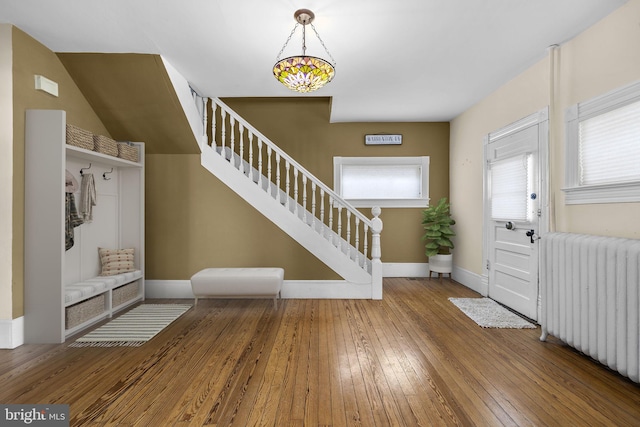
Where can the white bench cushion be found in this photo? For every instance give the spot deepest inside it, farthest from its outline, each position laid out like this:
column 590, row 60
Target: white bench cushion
column 83, row 290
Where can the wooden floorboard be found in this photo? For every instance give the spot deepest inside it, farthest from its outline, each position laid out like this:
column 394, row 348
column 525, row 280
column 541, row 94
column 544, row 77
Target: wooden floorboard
column 412, row 359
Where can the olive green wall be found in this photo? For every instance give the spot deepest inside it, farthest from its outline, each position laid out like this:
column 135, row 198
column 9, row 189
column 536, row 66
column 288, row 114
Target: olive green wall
column 31, row 58
column 193, row 221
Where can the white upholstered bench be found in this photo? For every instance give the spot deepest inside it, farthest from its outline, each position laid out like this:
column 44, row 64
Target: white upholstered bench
column 238, row 282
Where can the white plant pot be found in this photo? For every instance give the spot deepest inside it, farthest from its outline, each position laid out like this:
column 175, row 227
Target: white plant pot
column 441, row 263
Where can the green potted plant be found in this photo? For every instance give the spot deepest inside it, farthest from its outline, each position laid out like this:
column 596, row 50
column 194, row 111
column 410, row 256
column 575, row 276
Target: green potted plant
column 437, row 223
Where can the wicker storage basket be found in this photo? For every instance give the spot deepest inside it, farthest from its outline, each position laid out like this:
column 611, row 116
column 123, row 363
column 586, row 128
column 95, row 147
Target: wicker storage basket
column 83, row 311
column 127, row 152
column 105, row 145
column 79, row 137
column 125, row 293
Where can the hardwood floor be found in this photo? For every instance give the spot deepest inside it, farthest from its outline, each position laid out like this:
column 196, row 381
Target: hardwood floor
column 411, row 359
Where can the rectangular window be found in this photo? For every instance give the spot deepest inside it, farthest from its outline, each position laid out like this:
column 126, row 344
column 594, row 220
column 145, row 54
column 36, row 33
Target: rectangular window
column 610, row 146
column 603, row 148
column 382, row 181
column 511, row 183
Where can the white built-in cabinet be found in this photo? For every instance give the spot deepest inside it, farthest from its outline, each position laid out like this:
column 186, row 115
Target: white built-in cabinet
column 118, row 222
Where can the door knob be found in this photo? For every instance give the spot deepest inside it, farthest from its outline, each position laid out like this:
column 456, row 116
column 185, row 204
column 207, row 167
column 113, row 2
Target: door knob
column 510, row 226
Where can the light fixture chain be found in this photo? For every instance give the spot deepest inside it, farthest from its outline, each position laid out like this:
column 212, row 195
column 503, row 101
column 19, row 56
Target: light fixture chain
column 295, row 27
column 304, row 41
column 322, row 43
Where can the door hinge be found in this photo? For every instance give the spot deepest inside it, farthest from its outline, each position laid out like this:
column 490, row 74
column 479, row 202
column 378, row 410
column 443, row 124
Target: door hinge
column 488, row 265
column 539, row 213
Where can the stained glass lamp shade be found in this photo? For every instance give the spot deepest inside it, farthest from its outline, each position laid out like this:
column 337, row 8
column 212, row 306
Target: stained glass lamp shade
column 303, row 73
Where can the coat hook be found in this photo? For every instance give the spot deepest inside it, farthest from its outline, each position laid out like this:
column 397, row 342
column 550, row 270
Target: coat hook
column 104, row 175
column 82, row 173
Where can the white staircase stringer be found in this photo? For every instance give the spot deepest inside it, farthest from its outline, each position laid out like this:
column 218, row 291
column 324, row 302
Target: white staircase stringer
column 192, row 104
column 280, row 215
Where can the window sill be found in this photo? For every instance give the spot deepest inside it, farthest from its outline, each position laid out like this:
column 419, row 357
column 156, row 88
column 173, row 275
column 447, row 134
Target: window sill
column 603, row 193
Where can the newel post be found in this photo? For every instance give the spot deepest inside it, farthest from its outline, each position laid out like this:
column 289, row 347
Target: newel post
column 376, row 254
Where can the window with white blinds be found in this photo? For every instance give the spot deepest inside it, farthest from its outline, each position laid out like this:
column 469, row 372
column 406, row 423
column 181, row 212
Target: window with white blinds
column 603, row 148
column 382, row 181
column 610, row 146
column 510, row 188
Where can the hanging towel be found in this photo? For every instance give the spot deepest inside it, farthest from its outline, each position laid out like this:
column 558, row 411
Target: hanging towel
column 87, row 197
column 72, row 220
column 70, row 183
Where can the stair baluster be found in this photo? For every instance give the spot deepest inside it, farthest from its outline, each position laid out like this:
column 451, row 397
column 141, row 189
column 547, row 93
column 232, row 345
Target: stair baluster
column 278, row 177
column 269, row 181
column 295, row 191
column 259, row 162
column 241, row 143
column 365, row 246
column 322, row 208
column 250, row 154
column 357, row 239
column 214, row 107
column 287, row 184
column 223, row 133
column 330, row 216
column 232, row 125
column 313, row 205
column 348, row 231
column 304, row 198
column 338, row 245
column 205, row 139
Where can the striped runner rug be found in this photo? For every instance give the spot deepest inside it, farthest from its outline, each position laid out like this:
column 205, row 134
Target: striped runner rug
column 133, row 328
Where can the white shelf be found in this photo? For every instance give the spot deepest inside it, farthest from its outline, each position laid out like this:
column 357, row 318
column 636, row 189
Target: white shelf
column 81, row 153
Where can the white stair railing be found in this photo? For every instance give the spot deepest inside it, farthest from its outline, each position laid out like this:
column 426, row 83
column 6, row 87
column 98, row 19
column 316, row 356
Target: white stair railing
column 295, row 188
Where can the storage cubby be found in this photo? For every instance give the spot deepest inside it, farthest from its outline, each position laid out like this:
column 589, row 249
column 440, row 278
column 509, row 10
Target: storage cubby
column 64, row 292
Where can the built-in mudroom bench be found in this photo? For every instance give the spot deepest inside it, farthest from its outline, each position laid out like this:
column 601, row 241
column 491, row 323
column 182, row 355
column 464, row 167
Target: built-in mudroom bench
column 84, row 228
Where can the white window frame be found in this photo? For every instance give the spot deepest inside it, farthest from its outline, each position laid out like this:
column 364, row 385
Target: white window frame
column 575, row 193
column 421, row 162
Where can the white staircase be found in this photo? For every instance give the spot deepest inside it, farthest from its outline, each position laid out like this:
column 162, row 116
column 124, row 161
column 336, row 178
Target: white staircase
column 292, row 198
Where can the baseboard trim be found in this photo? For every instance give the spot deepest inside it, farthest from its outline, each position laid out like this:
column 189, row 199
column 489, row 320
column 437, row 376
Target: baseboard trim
column 405, row 269
column 291, row 289
column 470, row 280
column 12, row 333
column 324, row 289
column 167, row 289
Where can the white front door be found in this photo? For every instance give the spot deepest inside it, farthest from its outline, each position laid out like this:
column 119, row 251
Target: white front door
column 512, row 215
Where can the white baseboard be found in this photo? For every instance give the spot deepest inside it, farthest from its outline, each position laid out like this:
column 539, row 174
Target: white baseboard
column 320, row 289
column 470, row 280
column 324, row 289
column 291, row 289
column 405, row 269
column 167, row 289
column 12, row 333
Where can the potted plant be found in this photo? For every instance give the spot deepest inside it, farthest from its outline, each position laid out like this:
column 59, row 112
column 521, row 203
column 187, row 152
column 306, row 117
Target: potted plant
column 437, row 223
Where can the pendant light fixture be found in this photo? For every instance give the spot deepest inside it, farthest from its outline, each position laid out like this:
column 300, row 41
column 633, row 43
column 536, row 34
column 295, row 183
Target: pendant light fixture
column 304, row 73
